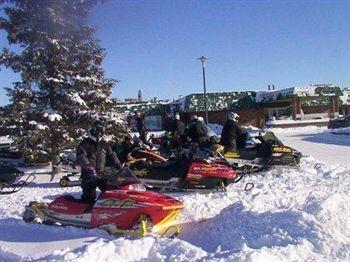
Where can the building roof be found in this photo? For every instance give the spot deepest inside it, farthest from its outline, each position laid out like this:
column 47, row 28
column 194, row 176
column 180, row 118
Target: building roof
column 345, row 98
column 300, row 91
column 215, row 101
column 145, row 107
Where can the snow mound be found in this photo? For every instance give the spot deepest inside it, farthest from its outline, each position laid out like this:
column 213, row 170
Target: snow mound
column 341, row 131
column 291, row 214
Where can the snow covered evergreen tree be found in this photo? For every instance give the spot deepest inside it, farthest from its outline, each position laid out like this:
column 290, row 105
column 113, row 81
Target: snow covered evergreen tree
column 62, row 88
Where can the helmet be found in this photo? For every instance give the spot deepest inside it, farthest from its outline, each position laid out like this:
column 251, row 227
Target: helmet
column 200, row 119
column 97, row 129
column 193, row 117
column 232, row 116
column 177, row 116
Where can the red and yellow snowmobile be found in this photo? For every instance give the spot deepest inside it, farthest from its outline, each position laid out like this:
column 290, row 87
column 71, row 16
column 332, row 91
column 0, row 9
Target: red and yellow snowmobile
column 126, row 207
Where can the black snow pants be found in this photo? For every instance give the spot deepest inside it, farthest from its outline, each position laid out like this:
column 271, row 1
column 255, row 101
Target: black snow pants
column 89, row 186
column 231, row 148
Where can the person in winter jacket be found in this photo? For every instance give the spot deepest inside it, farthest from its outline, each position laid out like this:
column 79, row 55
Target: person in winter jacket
column 197, row 131
column 93, row 155
column 141, row 127
column 168, row 123
column 179, row 130
column 233, row 136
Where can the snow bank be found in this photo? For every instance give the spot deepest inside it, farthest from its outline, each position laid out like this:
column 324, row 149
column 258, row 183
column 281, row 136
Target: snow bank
column 291, row 214
column 341, row 131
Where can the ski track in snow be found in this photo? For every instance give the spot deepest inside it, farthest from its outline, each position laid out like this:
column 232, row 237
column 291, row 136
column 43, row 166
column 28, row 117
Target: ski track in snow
column 290, row 215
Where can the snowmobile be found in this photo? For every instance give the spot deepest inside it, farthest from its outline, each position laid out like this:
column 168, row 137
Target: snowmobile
column 129, row 151
column 12, row 180
column 10, row 153
column 186, row 174
column 132, row 149
column 125, row 207
column 270, row 152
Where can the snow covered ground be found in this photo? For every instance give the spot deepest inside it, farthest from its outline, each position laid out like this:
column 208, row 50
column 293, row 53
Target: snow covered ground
column 290, row 215
column 319, row 142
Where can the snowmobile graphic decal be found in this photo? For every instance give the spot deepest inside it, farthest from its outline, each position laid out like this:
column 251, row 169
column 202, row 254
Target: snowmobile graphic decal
column 116, row 203
column 141, row 173
column 231, row 155
column 106, row 216
column 282, row 149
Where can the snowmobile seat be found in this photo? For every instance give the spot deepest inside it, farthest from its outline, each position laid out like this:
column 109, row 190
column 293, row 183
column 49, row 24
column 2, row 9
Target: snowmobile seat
column 247, row 153
column 89, row 205
column 164, row 171
column 68, row 204
column 71, row 198
column 9, row 174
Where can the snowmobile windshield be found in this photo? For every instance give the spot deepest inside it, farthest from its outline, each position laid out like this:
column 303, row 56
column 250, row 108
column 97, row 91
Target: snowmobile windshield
column 210, row 132
column 269, row 136
column 122, row 177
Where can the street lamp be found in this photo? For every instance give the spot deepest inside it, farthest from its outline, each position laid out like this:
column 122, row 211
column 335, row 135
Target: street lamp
column 203, row 59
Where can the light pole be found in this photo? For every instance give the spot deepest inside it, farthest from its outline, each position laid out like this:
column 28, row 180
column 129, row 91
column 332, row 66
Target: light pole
column 203, row 59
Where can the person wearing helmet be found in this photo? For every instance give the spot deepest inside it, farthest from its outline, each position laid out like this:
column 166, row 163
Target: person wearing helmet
column 168, row 123
column 93, row 155
column 233, row 136
column 141, row 127
column 197, row 130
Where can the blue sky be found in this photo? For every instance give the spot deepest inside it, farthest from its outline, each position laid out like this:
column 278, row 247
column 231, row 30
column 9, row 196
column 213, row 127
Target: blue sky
column 153, row 45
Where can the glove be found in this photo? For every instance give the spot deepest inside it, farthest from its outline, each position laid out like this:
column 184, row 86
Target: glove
column 91, row 171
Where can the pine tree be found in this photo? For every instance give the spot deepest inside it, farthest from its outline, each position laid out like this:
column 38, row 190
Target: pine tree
column 62, row 88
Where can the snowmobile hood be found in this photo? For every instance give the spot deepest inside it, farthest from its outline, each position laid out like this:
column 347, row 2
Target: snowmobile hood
column 212, row 170
column 146, row 199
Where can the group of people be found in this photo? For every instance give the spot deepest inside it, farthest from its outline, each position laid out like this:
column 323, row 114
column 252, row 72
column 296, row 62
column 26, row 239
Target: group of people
column 233, row 136
column 94, row 154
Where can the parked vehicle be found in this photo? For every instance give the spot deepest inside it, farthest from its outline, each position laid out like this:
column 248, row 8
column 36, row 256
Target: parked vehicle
column 339, row 122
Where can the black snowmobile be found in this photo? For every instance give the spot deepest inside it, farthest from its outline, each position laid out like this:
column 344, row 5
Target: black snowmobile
column 181, row 174
column 186, row 174
column 130, row 150
column 268, row 153
column 10, row 153
column 12, row 180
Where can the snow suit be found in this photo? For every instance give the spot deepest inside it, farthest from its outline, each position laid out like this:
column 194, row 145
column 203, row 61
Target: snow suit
column 179, row 127
column 169, row 124
column 197, row 131
column 141, row 128
column 94, row 155
column 233, row 137
column 179, row 132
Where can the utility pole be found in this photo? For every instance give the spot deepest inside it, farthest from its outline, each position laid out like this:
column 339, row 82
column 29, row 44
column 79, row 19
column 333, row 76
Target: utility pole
column 203, row 59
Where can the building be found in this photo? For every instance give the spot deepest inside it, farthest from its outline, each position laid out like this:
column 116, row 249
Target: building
column 130, row 100
column 153, row 111
column 140, row 96
column 314, row 103
column 301, row 103
column 345, row 102
column 218, row 104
